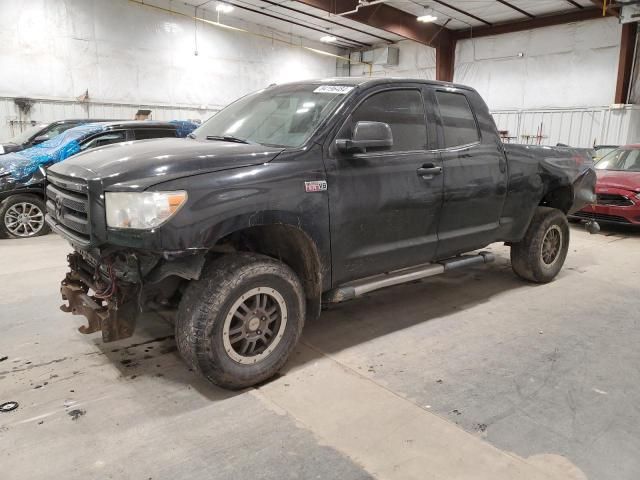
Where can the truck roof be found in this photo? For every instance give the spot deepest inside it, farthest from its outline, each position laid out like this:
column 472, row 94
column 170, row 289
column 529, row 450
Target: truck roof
column 370, row 81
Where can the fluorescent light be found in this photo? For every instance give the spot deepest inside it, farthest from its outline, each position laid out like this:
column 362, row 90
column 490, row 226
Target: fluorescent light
column 427, row 18
column 224, row 7
column 328, row 39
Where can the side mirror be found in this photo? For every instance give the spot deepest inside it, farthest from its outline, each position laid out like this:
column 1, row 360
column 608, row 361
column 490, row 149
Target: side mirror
column 40, row 139
column 367, row 135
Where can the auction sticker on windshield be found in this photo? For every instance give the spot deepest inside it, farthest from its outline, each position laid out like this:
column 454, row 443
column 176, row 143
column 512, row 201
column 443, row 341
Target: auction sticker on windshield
column 338, row 89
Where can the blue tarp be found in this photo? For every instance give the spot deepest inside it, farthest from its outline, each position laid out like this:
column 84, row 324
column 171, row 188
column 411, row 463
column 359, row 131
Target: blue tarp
column 21, row 165
column 184, row 127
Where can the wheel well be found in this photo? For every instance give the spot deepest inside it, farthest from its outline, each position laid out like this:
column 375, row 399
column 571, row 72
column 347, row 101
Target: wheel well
column 288, row 244
column 560, row 198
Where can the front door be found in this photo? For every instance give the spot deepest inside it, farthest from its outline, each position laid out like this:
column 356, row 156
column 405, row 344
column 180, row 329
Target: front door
column 384, row 205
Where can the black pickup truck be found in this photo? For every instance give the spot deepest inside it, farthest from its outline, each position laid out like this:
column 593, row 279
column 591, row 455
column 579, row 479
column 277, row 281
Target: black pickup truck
column 298, row 195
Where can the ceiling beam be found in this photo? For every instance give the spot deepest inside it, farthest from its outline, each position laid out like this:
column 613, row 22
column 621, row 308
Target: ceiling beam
column 463, row 12
column 387, row 18
column 317, row 17
column 538, row 22
column 303, row 25
column 517, row 9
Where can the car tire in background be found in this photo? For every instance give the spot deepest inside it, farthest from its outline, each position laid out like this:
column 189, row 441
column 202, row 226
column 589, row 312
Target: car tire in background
column 539, row 256
column 22, row 216
column 239, row 322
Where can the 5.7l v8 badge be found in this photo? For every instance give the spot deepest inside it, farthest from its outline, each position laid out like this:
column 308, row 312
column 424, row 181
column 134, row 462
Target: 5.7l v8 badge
column 315, row 186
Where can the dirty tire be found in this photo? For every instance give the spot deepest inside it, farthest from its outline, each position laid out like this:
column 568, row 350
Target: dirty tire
column 17, row 200
column 209, row 302
column 530, row 259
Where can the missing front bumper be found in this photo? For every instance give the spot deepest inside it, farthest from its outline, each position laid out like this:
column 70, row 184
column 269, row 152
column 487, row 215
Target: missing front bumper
column 114, row 316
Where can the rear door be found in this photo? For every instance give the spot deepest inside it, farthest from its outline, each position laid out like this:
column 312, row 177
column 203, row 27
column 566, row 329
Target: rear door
column 384, row 212
column 475, row 172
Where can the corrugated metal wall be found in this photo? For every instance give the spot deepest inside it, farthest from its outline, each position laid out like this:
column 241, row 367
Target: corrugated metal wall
column 12, row 121
column 581, row 127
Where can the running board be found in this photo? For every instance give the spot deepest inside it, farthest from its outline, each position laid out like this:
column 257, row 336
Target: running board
column 360, row 287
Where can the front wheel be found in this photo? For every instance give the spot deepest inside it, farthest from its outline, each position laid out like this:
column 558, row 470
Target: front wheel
column 539, row 256
column 238, row 324
column 22, row 216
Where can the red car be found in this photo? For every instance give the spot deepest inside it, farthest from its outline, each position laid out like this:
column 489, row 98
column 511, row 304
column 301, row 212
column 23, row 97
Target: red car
column 617, row 189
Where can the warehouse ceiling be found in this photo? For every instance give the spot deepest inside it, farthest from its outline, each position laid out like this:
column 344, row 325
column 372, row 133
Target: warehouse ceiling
column 313, row 19
column 476, row 13
column 292, row 17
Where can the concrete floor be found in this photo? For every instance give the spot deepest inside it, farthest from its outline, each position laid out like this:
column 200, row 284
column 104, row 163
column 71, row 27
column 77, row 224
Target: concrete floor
column 471, row 375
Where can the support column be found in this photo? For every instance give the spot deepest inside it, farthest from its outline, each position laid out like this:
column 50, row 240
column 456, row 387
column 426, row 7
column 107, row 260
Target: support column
column 625, row 62
column 445, row 59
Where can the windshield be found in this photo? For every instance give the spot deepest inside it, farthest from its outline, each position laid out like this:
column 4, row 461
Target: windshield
column 602, row 151
column 284, row 116
column 622, row 159
column 25, row 135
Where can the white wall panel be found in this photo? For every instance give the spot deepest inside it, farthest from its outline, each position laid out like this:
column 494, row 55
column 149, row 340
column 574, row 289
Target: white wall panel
column 130, row 54
column 572, row 65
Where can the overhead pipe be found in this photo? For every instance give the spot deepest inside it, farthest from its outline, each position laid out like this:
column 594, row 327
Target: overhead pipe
column 361, row 4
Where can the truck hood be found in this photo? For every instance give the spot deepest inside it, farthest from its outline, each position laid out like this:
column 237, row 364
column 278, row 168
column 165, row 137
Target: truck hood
column 139, row 165
column 616, row 179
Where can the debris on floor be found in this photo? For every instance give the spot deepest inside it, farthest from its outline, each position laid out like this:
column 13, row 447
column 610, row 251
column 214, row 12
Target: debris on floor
column 8, row 406
column 76, row 414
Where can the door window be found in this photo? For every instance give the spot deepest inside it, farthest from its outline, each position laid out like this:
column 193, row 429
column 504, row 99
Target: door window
column 403, row 111
column 458, row 122
column 105, row 139
column 58, row 129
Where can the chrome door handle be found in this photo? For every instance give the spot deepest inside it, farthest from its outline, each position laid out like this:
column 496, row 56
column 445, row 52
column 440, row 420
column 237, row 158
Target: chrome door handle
column 429, row 170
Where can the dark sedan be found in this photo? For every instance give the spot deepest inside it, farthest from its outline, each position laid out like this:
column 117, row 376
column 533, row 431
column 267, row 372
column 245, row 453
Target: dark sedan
column 41, row 132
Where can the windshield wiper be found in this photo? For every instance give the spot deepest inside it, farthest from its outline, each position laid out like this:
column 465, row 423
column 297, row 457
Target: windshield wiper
column 227, row 138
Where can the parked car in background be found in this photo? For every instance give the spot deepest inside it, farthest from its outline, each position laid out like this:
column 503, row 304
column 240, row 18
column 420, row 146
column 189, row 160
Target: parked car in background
column 42, row 132
column 617, row 188
column 22, row 174
column 601, row 150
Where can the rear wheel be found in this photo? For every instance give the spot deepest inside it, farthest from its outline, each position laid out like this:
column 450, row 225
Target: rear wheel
column 238, row 324
column 22, row 216
column 542, row 252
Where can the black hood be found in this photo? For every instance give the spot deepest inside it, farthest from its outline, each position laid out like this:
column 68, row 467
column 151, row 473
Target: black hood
column 139, row 165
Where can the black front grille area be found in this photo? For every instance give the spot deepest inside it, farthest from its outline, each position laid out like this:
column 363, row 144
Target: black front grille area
column 601, row 217
column 68, row 206
column 612, row 199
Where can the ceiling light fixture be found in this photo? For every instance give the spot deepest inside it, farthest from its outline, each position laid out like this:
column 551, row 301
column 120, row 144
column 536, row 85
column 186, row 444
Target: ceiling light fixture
column 427, row 17
column 328, row 39
column 224, row 7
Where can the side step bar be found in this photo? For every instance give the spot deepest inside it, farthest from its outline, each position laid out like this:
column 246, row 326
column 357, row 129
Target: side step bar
column 360, row 287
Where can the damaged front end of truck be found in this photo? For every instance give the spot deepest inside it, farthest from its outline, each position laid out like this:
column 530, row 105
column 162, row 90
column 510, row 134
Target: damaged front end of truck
column 110, row 286
column 111, row 289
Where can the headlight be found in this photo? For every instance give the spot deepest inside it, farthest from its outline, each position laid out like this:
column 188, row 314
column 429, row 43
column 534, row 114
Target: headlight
column 638, row 196
column 142, row 210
